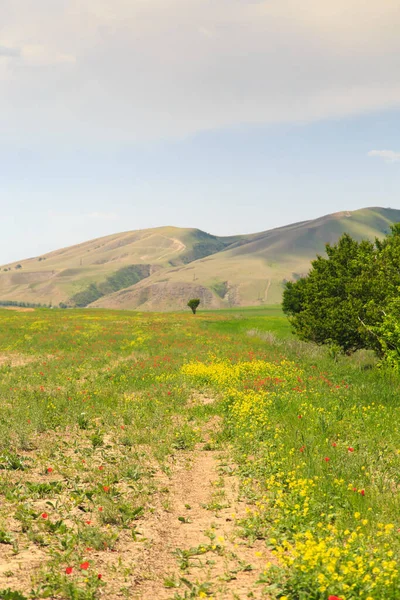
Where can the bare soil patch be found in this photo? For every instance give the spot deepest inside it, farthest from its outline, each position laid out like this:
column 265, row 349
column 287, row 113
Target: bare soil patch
column 199, row 399
column 16, row 360
column 17, row 570
column 19, row 308
column 192, row 535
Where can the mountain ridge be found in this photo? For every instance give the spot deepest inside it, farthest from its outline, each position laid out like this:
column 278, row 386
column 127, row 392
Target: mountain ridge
column 160, row 268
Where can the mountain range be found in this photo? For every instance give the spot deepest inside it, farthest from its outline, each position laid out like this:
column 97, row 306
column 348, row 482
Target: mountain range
column 161, row 268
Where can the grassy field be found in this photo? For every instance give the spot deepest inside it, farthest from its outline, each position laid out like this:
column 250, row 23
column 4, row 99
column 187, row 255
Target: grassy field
column 179, row 456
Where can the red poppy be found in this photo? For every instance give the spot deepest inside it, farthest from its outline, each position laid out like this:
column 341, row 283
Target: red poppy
column 100, row 508
column 299, row 417
column 350, row 449
column 84, row 566
column 327, row 459
column 49, row 469
column 334, row 598
column 302, row 449
column 354, row 489
column 88, row 522
column 89, row 549
column 99, row 576
column 69, row 570
column 101, row 467
column 334, row 445
column 106, row 488
column 44, row 515
column 362, row 492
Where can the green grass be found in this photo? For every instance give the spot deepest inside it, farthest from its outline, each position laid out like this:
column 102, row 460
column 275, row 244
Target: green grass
column 249, row 320
column 95, row 403
column 267, row 310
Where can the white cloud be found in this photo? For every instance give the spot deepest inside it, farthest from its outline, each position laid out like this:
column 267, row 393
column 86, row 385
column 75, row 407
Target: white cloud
column 388, row 155
column 134, row 70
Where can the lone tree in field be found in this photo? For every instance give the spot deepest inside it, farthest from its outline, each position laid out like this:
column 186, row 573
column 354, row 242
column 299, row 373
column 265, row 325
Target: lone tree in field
column 194, row 304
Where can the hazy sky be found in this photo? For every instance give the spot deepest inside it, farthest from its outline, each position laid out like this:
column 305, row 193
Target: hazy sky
column 228, row 115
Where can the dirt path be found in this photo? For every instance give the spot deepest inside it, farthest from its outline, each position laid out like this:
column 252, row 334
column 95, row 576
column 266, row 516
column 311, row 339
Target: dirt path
column 192, row 542
column 15, row 360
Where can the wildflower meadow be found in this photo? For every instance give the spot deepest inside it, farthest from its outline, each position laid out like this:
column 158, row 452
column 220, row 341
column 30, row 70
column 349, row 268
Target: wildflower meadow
column 100, row 410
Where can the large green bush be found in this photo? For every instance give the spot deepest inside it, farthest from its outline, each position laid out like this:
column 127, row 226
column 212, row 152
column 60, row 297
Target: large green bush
column 347, row 296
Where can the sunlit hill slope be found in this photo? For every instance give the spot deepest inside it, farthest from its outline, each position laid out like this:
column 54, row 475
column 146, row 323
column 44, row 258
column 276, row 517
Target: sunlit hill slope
column 160, row 269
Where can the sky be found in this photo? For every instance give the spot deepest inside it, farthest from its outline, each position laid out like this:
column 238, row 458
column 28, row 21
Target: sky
column 232, row 116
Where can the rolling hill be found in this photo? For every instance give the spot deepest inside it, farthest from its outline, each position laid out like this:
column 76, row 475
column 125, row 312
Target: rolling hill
column 159, row 269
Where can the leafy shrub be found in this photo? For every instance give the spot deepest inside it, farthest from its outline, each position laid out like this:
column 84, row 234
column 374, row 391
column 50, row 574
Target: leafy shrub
column 11, row 462
column 8, row 594
column 344, row 296
column 388, row 333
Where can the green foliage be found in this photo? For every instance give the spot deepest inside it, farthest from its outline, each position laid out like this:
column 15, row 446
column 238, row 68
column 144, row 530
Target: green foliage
column 6, row 537
column 124, row 278
column 293, row 300
column 87, row 296
column 388, row 333
column 204, row 245
column 220, row 288
column 23, row 304
column 11, row 462
column 194, row 304
column 119, row 280
column 11, row 595
column 344, row 296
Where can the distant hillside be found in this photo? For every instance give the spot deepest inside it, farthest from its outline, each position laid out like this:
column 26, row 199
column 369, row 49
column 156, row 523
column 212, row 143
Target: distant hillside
column 83, row 273
column 160, row 269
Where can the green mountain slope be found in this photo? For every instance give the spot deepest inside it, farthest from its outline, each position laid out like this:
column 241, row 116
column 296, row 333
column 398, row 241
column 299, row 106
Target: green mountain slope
column 160, row 269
